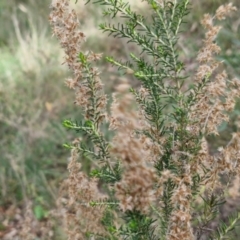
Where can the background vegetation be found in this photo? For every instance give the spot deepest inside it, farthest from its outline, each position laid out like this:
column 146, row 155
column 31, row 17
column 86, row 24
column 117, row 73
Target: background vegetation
column 34, row 100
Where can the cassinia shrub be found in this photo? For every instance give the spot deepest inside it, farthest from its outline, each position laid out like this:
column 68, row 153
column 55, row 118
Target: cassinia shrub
column 155, row 178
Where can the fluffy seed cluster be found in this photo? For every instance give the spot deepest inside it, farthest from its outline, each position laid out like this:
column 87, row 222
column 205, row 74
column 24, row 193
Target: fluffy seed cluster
column 227, row 162
column 211, row 107
column 219, row 93
column 66, row 28
column 77, row 193
column 135, row 190
column 86, row 81
column 225, row 10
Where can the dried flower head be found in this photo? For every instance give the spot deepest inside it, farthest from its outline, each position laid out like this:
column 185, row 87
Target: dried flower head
column 78, row 192
column 224, row 10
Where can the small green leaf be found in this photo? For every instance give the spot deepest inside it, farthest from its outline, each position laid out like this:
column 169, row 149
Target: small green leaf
column 39, row 212
column 67, row 124
column 110, row 59
column 139, row 74
column 154, row 6
column 68, row 146
column 92, row 203
column 89, row 124
column 82, row 58
column 133, row 225
column 112, row 229
column 94, row 173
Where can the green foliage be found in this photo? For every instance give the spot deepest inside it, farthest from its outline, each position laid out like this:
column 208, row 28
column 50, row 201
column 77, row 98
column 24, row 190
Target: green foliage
column 39, row 212
column 224, row 229
column 137, row 227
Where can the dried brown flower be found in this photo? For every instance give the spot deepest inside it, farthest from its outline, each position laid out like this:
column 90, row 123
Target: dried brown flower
column 77, row 194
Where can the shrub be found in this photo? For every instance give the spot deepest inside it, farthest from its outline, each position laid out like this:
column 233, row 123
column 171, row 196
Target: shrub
column 150, row 173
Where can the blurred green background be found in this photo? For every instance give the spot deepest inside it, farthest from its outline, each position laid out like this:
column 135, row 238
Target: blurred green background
column 34, row 99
